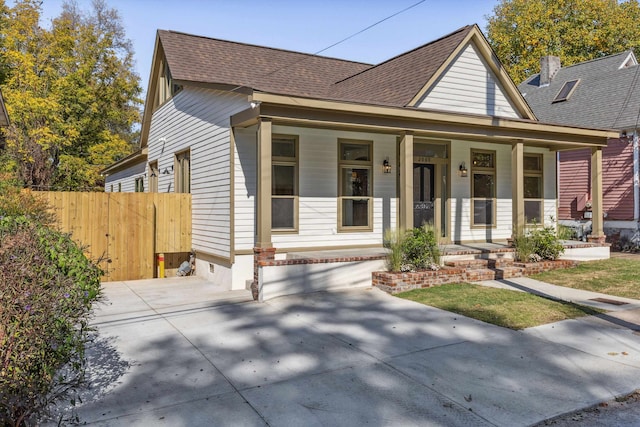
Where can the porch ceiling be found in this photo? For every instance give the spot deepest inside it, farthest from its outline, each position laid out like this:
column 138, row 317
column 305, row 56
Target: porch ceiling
column 334, row 115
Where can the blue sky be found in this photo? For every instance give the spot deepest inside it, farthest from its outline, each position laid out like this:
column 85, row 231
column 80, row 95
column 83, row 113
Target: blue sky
column 300, row 25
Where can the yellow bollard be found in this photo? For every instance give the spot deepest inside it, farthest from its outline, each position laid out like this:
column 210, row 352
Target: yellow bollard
column 161, row 266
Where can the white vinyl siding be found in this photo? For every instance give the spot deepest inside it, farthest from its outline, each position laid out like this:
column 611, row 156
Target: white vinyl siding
column 318, row 190
column 198, row 120
column 469, row 86
column 126, row 178
column 461, row 229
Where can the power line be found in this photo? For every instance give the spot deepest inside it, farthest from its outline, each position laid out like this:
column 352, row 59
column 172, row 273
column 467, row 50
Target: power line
column 369, row 27
column 343, row 40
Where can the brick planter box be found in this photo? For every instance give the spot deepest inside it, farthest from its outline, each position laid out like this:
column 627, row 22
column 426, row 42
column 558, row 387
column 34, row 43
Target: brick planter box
column 394, row 283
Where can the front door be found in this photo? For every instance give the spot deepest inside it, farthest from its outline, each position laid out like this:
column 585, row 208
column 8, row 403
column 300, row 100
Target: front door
column 423, row 194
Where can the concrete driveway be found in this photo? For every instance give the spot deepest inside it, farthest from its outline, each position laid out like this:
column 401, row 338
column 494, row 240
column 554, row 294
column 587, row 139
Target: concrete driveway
column 179, row 352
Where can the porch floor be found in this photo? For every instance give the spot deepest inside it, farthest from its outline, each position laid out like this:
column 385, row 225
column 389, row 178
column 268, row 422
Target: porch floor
column 451, row 249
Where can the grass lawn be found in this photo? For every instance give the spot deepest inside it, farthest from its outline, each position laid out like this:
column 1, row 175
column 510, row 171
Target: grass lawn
column 502, row 307
column 614, row 276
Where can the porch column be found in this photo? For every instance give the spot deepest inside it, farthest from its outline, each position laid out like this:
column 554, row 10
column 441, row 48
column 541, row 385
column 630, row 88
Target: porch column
column 264, row 184
column 597, row 228
column 406, row 181
column 517, row 188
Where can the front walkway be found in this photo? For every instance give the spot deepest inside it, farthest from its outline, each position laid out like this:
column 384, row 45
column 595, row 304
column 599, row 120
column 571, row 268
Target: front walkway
column 181, row 356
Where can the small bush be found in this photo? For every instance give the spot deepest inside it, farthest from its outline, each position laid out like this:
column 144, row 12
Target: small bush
column 47, row 286
column 420, row 248
column 566, row 233
column 14, row 201
column 546, row 243
column 538, row 244
column 394, row 240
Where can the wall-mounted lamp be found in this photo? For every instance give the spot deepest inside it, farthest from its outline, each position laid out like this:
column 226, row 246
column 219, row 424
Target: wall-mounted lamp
column 386, row 166
column 462, row 170
column 168, row 170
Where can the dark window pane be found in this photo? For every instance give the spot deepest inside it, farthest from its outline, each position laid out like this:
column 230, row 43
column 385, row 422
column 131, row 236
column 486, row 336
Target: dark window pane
column 533, row 187
column 283, row 148
column 282, row 180
column 482, row 160
column 483, row 212
column 282, row 215
column 355, row 182
column 355, row 213
column 533, row 211
column 483, row 185
column 358, row 152
column 532, row 163
column 430, row 150
column 565, row 91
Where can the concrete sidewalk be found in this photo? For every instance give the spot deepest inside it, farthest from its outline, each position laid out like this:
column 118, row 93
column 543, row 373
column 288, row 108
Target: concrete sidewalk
column 180, row 354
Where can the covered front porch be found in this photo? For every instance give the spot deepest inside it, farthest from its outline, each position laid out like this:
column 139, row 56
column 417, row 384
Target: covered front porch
column 311, row 271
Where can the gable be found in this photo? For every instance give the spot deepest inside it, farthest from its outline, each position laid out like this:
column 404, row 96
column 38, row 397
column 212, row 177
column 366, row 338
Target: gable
column 468, row 85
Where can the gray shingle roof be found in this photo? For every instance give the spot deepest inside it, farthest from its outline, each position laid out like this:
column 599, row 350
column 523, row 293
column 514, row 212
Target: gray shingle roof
column 393, row 83
column 607, row 96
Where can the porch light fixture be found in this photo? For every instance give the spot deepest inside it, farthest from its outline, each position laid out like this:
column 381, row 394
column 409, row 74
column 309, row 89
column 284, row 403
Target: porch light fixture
column 386, row 167
column 168, row 170
column 462, row 170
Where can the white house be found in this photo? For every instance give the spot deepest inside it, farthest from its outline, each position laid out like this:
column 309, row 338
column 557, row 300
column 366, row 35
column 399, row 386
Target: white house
column 287, row 152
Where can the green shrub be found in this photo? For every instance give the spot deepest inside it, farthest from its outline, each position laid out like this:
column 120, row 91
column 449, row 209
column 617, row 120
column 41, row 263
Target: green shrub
column 420, row 248
column 525, row 248
column 47, row 286
column 546, row 243
column 394, row 240
column 14, row 201
column 538, row 244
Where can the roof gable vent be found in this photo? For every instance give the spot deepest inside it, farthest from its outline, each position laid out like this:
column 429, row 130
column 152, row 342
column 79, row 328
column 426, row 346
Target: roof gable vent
column 567, row 90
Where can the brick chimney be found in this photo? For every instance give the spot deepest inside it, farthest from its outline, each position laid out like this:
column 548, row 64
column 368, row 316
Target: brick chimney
column 549, row 66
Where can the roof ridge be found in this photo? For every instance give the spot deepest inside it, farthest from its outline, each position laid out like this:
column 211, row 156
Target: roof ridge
column 263, row 47
column 626, row 52
column 466, row 27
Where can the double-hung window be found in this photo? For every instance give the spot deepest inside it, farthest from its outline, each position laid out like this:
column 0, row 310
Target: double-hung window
column 533, row 188
column 284, row 183
column 355, row 170
column 483, row 188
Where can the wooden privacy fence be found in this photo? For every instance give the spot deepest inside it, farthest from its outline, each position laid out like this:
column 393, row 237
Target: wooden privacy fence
column 125, row 230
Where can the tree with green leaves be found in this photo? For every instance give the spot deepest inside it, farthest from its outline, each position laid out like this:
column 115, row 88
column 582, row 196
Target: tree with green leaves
column 71, row 94
column 523, row 31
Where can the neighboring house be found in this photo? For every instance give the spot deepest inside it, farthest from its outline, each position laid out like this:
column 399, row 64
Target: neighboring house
column 288, row 152
column 602, row 93
column 128, row 174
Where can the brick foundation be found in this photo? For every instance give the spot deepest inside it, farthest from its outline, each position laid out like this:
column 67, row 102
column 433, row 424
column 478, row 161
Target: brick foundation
column 260, row 256
column 599, row 240
column 394, row 283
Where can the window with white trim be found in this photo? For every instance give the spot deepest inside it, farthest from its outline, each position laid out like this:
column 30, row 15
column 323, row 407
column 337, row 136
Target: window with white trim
column 284, row 182
column 139, row 185
column 483, row 188
column 355, row 173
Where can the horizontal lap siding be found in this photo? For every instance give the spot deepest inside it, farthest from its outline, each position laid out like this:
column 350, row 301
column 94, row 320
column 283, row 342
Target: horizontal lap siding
column 617, row 180
column 461, row 229
column 127, row 178
column 318, row 190
column 469, row 86
column 575, row 167
column 198, row 119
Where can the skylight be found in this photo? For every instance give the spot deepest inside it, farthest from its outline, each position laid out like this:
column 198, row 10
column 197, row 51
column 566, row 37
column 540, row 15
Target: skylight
column 566, row 91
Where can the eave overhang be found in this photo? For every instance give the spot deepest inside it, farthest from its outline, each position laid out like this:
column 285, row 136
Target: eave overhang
column 134, row 158
column 288, row 110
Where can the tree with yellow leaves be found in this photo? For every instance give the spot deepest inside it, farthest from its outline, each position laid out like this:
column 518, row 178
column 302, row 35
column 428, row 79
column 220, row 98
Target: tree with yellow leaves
column 522, row 31
column 71, row 94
